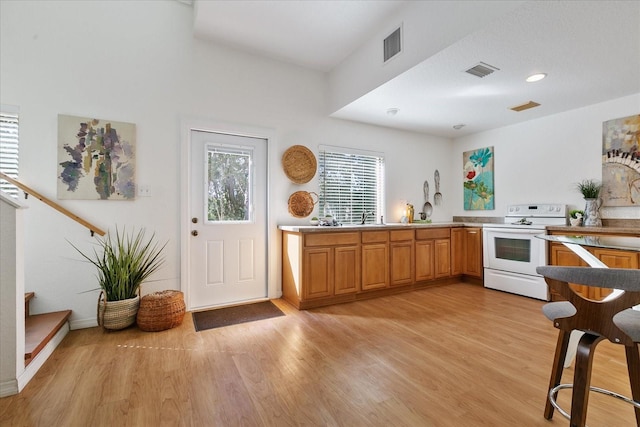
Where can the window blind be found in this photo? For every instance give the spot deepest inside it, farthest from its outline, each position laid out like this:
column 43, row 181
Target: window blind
column 9, row 150
column 351, row 184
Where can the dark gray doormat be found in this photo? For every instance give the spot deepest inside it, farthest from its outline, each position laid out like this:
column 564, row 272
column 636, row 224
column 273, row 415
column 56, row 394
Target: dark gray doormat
column 203, row 320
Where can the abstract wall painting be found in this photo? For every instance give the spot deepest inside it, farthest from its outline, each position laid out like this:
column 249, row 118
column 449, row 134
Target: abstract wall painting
column 96, row 159
column 621, row 162
column 478, row 179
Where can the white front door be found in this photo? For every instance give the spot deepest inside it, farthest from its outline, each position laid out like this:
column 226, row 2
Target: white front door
column 228, row 219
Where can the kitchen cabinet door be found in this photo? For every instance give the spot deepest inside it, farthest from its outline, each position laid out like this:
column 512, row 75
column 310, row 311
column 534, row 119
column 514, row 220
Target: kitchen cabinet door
column 375, row 262
column 425, row 256
column 347, row 269
column 318, row 268
column 472, row 265
column 458, row 252
column 401, row 262
column 442, row 258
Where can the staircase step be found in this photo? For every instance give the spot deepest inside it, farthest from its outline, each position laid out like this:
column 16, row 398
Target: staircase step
column 27, row 297
column 39, row 329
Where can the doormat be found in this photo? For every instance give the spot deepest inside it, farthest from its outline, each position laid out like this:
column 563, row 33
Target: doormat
column 217, row 318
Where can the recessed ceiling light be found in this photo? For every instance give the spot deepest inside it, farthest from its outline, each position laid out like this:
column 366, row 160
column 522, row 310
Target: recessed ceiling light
column 393, row 111
column 536, row 77
column 459, row 126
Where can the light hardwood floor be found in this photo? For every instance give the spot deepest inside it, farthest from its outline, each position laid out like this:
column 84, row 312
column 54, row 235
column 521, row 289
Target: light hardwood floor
column 456, row 355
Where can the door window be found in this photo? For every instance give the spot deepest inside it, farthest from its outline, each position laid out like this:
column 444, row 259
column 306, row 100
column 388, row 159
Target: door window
column 229, row 183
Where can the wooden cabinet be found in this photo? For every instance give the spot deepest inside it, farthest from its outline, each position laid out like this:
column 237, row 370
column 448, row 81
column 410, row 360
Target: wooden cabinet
column 457, row 251
column 466, row 252
column 425, row 258
column 612, row 258
column 401, row 258
column 375, row 260
column 317, row 266
column 432, row 253
column 472, row 254
column 326, row 267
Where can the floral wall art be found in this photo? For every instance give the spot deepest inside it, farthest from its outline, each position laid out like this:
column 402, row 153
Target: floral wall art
column 96, row 159
column 621, row 162
column 478, row 179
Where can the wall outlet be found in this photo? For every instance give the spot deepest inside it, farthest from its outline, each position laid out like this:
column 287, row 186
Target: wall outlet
column 144, row 191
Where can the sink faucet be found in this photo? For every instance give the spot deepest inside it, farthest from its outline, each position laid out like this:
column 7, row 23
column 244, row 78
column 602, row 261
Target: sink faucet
column 365, row 215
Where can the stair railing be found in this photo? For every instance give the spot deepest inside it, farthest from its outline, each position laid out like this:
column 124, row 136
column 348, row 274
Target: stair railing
column 29, row 191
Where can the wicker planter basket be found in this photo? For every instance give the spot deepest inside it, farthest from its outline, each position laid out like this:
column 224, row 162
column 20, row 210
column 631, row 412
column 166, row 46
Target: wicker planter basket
column 116, row 315
column 161, row 310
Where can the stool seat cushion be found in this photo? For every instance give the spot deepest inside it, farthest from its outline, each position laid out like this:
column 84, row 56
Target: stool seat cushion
column 559, row 309
column 629, row 322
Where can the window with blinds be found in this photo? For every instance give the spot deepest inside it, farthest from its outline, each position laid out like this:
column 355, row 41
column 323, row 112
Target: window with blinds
column 9, row 150
column 351, row 183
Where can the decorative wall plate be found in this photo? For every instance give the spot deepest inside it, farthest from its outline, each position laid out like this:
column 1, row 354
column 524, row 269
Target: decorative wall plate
column 299, row 164
column 301, row 204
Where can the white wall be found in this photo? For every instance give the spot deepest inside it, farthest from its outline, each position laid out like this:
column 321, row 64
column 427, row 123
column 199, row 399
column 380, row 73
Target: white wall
column 541, row 160
column 138, row 62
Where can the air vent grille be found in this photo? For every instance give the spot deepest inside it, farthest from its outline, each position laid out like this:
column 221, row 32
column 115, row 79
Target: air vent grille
column 392, row 45
column 530, row 104
column 482, row 70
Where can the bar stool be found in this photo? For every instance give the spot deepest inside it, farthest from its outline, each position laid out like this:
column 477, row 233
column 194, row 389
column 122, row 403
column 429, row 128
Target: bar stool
column 612, row 319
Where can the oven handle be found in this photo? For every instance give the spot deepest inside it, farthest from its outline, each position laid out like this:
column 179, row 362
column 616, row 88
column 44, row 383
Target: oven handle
column 513, row 231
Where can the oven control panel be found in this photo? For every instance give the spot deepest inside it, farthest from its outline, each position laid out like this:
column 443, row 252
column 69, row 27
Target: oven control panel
column 549, row 210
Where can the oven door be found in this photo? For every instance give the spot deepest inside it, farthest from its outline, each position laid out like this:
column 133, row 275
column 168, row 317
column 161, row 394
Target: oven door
column 515, row 250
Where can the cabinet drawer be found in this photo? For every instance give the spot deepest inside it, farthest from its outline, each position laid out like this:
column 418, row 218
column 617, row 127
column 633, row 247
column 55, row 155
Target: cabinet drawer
column 432, row 233
column 375, row 236
column 330, row 239
column 400, row 235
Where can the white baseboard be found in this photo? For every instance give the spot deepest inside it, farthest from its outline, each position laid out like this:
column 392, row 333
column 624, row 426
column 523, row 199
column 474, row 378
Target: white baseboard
column 83, row 323
column 35, row 365
column 8, row 388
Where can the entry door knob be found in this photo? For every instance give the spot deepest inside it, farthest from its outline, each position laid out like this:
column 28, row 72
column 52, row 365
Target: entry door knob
column 194, row 233
column 194, row 220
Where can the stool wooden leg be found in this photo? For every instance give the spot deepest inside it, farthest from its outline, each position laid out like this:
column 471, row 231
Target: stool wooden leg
column 633, row 364
column 582, row 379
column 556, row 370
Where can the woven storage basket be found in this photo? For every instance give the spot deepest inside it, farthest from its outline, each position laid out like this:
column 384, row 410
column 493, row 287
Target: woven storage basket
column 301, row 203
column 116, row 315
column 161, row 310
column 299, row 164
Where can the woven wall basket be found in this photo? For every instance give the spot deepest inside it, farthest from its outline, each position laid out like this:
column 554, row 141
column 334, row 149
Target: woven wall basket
column 299, row 164
column 161, row 310
column 116, row 315
column 301, row 203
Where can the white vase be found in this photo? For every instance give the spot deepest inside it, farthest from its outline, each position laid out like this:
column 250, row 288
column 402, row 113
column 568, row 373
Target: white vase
column 575, row 222
column 592, row 213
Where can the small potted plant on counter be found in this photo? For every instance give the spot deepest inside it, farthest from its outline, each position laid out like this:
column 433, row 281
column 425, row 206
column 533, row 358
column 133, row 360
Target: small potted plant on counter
column 576, row 217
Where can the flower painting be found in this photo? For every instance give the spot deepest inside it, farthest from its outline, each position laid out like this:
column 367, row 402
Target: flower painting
column 478, row 179
column 621, row 162
column 96, row 159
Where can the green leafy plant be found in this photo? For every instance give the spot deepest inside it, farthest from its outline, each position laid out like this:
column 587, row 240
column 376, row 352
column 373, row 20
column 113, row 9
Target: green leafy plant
column 589, row 188
column 574, row 213
column 124, row 261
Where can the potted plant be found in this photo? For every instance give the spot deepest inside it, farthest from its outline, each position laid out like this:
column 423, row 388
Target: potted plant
column 123, row 261
column 575, row 217
column 314, row 220
column 590, row 190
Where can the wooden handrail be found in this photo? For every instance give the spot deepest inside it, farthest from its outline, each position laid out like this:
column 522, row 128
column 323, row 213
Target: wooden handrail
column 92, row 228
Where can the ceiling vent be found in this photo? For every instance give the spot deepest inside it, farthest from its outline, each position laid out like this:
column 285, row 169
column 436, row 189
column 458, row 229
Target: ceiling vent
column 392, row 45
column 526, row 106
column 482, row 70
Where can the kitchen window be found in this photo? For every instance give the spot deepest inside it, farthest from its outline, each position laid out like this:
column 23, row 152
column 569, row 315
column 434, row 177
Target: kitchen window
column 9, row 147
column 351, row 183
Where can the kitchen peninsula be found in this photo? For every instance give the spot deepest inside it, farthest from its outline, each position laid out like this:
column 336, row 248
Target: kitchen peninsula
column 329, row 265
